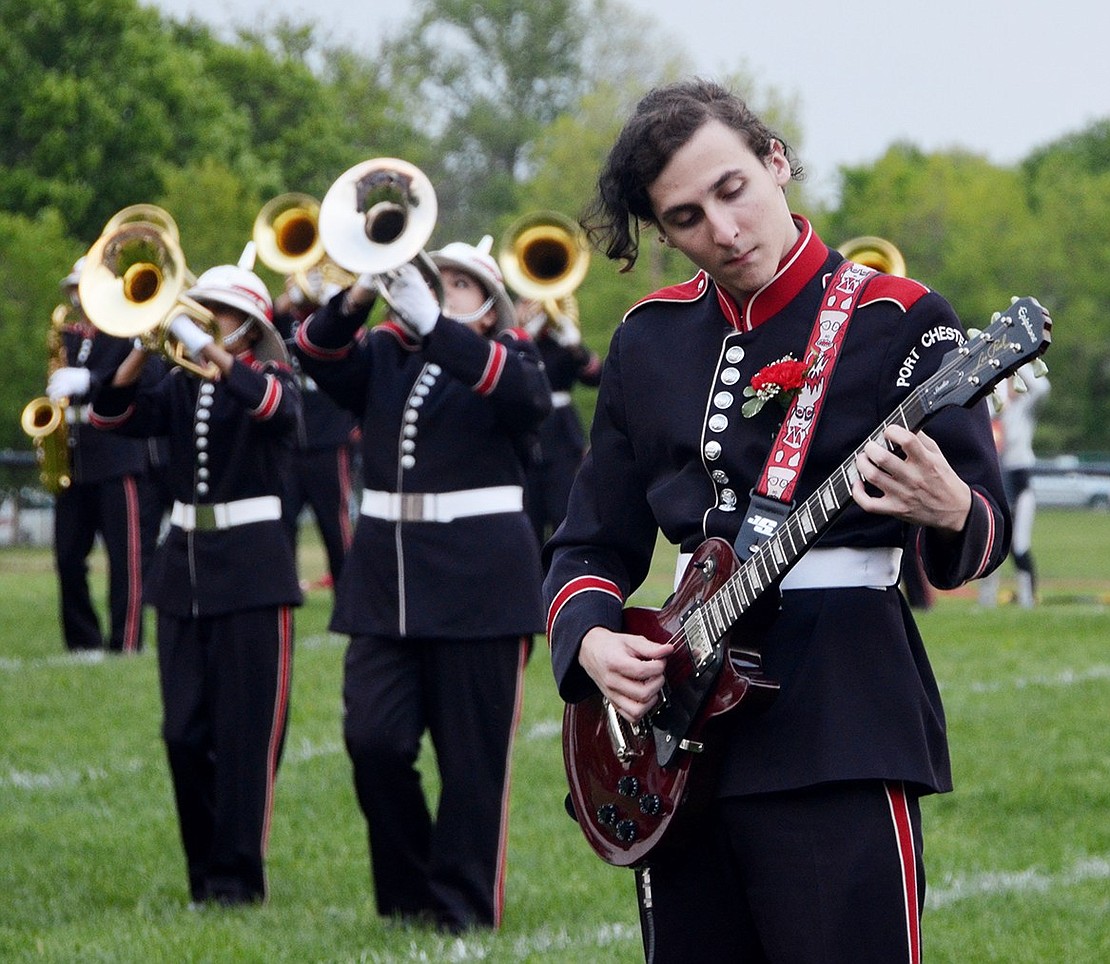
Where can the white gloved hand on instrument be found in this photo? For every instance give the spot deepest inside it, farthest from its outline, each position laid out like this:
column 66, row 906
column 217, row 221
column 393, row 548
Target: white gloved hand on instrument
column 412, row 299
column 67, row 382
column 190, row 334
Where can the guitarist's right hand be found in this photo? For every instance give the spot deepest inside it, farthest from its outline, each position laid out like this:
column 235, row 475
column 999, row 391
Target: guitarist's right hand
column 629, row 670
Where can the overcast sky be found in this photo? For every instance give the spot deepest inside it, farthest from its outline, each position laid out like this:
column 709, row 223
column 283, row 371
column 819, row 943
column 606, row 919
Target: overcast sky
column 998, row 77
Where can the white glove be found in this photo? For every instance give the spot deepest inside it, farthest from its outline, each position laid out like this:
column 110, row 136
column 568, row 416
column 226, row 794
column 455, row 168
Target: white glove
column 412, row 299
column 66, row 382
column 566, row 332
column 191, row 335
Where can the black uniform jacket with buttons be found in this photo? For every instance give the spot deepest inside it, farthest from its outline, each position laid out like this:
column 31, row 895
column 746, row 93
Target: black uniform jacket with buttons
column 94, row 454
column 230, row 438
column 326, row 425
column 561, row 433
column 858, row 698
column 451, row 412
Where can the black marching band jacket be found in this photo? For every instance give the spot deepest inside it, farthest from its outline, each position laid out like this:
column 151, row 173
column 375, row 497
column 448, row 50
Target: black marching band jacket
column 670, row 450
column 442, row 547
column 95, row 455
column 231, row 443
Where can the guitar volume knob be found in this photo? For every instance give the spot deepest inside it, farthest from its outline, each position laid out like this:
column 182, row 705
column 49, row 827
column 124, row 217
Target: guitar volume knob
column 628, row 786
column 607, row 814
column 651, row 804
column 625, row 831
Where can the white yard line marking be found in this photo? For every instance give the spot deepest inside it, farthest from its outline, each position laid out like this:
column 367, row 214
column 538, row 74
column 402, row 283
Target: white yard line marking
column 1030, row 880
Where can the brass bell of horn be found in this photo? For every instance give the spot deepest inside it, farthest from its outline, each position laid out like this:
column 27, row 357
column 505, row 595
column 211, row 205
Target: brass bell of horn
column 132, row 284
column 544, row 256
column 286, row 232
column 378, row 216
column 877, row 253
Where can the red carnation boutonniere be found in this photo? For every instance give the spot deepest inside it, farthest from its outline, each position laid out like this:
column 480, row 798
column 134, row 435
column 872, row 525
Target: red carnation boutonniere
column 782, row 379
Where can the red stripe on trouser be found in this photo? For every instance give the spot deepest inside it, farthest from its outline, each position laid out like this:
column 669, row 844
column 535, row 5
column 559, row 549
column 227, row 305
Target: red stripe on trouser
column 133, row 624
column 903, row 831
column 281, row 702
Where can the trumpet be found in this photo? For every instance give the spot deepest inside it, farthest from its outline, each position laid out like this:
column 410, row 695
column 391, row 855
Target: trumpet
column 132, row 282
column 544, row 257
column 377, row 216
column 286, row 234
column 44, row 420
column 877, row 253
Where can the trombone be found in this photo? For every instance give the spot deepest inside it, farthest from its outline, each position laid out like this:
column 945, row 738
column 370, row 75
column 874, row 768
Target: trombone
column 133, row 280
column 544, row 257
column 377, row 216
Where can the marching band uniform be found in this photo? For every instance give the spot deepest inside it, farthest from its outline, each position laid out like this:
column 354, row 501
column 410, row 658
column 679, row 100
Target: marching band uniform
column 321, row 475
column 224, row 583
column 858, row 704
column 105, row 496
column 562, row 443
column 441, row 590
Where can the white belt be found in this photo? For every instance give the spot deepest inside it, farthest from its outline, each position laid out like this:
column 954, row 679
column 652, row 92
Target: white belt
column 560, row 399
column 441, row 506
column 77, row 413
column 225, row 515
column 839, row 568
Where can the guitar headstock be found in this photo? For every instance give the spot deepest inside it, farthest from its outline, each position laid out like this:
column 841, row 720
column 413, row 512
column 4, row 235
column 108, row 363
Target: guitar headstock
column 1019, row 334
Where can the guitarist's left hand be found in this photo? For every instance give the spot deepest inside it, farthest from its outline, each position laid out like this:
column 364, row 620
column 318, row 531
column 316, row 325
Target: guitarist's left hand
column 911, row 481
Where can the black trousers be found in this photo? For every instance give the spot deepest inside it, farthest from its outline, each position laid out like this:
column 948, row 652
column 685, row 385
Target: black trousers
column 826, row 875
column 466, row 693
column 322, row 480
column 111, row 509
column 225, row 694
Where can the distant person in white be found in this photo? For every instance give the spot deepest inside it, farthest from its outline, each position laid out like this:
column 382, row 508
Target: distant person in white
column 1015, row 422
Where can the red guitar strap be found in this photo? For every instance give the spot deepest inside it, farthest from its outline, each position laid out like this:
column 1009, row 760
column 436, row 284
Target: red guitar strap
column 772, row 497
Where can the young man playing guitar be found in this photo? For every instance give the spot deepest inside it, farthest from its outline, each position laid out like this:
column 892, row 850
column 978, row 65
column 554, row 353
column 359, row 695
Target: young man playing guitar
column 810, row 849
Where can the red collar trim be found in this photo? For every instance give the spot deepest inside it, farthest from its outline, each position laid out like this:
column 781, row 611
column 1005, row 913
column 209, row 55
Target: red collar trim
column 796, row 270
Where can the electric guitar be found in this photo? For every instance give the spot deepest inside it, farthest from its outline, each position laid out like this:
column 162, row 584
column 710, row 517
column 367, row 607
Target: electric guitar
column 633, row 787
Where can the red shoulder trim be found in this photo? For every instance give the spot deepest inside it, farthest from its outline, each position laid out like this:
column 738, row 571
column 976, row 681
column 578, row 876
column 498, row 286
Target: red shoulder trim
column 519, row 334
column 905, row 292
column 688, row 291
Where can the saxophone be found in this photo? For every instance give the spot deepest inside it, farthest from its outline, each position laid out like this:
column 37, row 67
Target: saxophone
column 45, row 420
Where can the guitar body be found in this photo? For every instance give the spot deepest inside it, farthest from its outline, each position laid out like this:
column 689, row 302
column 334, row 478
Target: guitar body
column 632, row 787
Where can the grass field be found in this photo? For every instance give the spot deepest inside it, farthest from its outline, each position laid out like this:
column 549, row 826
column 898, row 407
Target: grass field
column 91, row 868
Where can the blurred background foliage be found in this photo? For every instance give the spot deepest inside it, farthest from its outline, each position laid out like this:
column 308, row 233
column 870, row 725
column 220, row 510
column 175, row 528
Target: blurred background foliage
column 509, row 106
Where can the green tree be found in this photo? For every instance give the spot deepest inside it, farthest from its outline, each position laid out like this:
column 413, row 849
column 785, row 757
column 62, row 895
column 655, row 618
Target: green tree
column 97, row 100
column 492, row 74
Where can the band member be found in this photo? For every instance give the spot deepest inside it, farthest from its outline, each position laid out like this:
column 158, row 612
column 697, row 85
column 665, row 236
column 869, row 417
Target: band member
column 811, row 848
column 321, row 476
column 556, row 458
column 106, row 495
column 1015, row 421
column 441, row 589
column 224, row 579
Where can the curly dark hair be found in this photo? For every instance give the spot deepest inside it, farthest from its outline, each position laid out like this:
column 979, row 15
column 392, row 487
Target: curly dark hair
column 663, row 121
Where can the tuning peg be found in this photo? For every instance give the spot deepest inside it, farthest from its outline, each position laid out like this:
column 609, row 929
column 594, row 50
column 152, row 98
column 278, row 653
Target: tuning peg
column 973, row 333
column 1040, row 369
column 1020, row 388
column 1014, row 299
column 997, row 401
